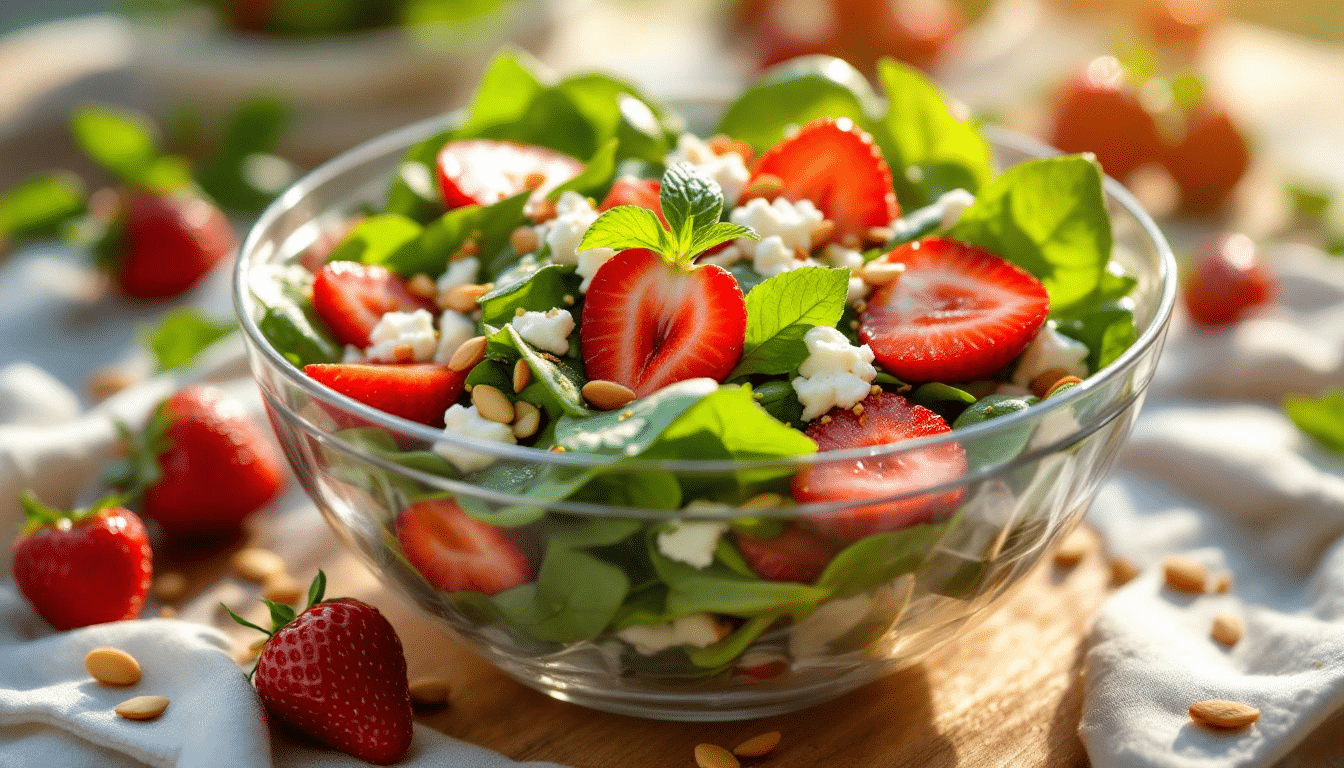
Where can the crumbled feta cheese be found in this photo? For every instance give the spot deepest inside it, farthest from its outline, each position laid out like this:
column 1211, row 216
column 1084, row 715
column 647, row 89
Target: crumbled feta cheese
column 402, row 335
column 574, row 214
column 467, row 421
column 939, row 215
column 692, row 541
column 789, row 221
column 698, row 630
column 454, row 328
column 772, row 257
column 848, row 258
column 548, row 331
column 1050, row 349
column 459, row 272
column 728, row 170
column 352, row 354
column 953, row 203
column 590, row 261
column 834, row 373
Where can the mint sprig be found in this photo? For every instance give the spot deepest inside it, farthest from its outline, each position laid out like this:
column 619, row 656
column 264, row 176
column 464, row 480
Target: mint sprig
column 691, row 202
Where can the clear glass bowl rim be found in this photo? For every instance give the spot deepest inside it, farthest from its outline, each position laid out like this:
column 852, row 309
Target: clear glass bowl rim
column 403, row 138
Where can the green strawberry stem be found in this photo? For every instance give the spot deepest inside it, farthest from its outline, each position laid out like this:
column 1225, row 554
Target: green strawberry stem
column 39, row 515
column 282, row 614
column 140, row 469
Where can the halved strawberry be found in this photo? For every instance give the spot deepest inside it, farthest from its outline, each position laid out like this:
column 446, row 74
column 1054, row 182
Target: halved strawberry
column 795, row 554
column 455, row 552
column 352, row 297
column 629, row 190
column 483, row 171
column 886, row 418
column 956, row 313
column 648, row 323
column 420, row 392
column 838, row 167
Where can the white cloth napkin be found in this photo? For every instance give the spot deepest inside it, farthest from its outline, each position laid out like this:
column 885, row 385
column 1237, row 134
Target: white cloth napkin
column 1216, row 471
column 51, row 712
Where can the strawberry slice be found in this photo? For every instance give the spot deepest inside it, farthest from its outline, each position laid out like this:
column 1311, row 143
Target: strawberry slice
column 885, row 419
column 629, row 190
column 483, row 171
column 648, row 323
column 455, row 552
column 420, row 392
column 839, row 168
column 794, row 555
column 352, row 297
column 956, row 313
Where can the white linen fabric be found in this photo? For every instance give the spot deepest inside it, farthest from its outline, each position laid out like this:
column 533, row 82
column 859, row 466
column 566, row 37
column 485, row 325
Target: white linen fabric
column 1216, row 471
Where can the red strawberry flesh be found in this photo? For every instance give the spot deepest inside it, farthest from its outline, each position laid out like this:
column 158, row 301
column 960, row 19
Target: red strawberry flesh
column 419, row 392
column 647, row 323
column 886, row 419
column 455, row 552
column 351, row 298
column 795, row 554
column 956, row 313
column 839, row 168
column 483, row 171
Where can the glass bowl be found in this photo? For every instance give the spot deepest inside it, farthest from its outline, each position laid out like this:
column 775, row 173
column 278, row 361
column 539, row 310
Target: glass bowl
column 611, row 621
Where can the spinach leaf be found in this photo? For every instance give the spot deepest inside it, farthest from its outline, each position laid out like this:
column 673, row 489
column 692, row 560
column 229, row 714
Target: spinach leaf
column 727, row 650
column 797, row 93
column 540, row 291
column 781, row 310
column 718, row 589
column 288, row 320
column 41, row 205
column 877, row 559
column 556, row 384
column 574, row 597
column 380, row 239
column 631, row 430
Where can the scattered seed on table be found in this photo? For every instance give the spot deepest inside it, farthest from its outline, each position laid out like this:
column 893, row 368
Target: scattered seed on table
column 257, row 564
column 714, row 756
column 282, row 588
column 1185, row 574
column 1222, row 713
column 429, row 693
column 1123, row 571
column 112, row 666
column 1227, row 628
column 170, row 587
column 758, row 746
column 1073, row 548
column 142, row 707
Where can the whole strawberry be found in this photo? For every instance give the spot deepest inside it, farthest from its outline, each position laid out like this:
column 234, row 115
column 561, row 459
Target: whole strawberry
column 160, row 245
column 201, row 464
column 88, row 566
column 336, row 672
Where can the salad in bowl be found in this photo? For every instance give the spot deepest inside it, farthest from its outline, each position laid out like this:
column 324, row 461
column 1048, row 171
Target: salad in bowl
column 703, row 425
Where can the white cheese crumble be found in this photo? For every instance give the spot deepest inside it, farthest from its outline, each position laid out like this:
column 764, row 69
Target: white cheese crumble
column 834, row 373
column 1050, row 349
column 785, row 229
column 352, row 354
column 848, row 258
column 574, row 214
column 692, row 541
column 459, row 272
column 724, row 258
column 401, row 334
column 698, row 630
column 468, row 421
column 772, row 257
column 946, row 211
column 590, row 261
column 548, row 331
column 728, row 170
column 454, row 328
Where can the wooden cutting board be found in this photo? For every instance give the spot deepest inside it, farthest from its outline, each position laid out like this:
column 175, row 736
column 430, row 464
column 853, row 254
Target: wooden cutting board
column 1008, row 692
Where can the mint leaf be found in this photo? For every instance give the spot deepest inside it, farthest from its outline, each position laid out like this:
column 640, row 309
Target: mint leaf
column 181, row 335
column 719, row 232
column 41, row 204
column 795, row 94
column 930, row 150
column 627, row 226
column 1048, row 217
column 1322, row 418
column 118, row 140
column 379, row 239
column 781, row 310
column 690, row 201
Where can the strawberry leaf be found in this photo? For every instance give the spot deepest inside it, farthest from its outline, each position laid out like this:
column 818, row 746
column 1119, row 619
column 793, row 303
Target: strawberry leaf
column 281, row 614
column 781, row 310
column 1321, row 418
column 140, row 468
column 627, row 226
column 244, row 622
column 41, row 205
column 181, row 335
column 317, row 590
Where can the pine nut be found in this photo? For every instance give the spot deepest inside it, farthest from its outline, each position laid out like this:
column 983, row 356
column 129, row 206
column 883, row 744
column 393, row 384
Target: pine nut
column 1187, row 575
column 1123, row 571
column 1046, row 380
column 106, row 382
column 422, row 285
column 607, row 395
column 468, row 354
column 462, row 298
column 492, row 404
column 766, row 500
column 170, row 587
column 282, row 588
column 1227, row 629
column 822, row 232
column 1073, row 549
column 766, row 186
column 142, row 707
column 526, row 419
column 880, row 272
column 524, row 240
column 167, row 612
column 714, row 756
column 1221, row 713
column 112, row 666
column 429, row 693
column 1223, row 584
column 522, row 375
column 758, row 746
column 257, row 564
column 878, row 235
